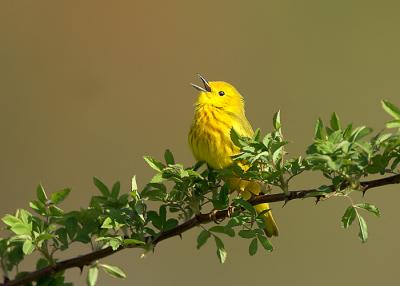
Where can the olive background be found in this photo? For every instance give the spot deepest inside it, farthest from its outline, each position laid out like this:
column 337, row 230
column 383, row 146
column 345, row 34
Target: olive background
column 89, row 87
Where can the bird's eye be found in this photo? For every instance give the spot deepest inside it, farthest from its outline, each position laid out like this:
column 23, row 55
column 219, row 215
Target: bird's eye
column 221, row 93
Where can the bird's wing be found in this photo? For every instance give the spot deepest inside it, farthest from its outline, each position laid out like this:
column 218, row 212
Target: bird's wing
column 241, row 125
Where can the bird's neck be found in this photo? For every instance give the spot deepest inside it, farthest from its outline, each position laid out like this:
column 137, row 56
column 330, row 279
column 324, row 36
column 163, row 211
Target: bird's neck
column 231, row 109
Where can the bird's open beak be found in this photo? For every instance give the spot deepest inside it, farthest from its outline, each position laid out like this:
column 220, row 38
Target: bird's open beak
column 206, row 88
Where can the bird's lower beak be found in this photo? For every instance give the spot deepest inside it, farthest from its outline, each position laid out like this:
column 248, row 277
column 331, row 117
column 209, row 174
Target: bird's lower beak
column 206, row 88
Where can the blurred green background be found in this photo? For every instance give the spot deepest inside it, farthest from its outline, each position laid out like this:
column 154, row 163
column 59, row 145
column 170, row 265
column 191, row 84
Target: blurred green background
column 89, row 87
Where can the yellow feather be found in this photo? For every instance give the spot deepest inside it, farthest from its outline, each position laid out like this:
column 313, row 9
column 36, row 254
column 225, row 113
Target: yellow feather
column 218, row 109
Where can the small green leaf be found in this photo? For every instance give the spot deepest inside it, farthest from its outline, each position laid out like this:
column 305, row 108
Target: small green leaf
column 202, row 238
column 369, row 207
column 157, row 178
column 38, row 207
column 153, row 163
column 253, row 246
column 115, row 190
column 221, row 252
column 235, row 138
column 223, row 229
column 21, row 228
column 107, row 223
column 363, row 234
column 247, row 233
column 113, row 271
column 277, row 120
column 101, row 186
column 359, row 133
column 265, row 243
column 391, row 109
column 41, row 194
column 393, row 124
column 155, row 219
column 41, row 263
column 10, row 220
column 59, row 196
column 92, row 275
column 335, row 122
column 170, row 224
column 28, row 247
column 348, row 217
column 163, row 214
column 44, row 236
column 319, row 129
column 131, row 241
column 257, row 134
column 134, row 187
column 169, row 157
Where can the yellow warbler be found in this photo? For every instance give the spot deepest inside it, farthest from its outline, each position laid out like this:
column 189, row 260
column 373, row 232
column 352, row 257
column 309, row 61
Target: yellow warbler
column 218, row 109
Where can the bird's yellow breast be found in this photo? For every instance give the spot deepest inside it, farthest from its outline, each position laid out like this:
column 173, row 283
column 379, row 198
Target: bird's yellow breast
column 209, row 136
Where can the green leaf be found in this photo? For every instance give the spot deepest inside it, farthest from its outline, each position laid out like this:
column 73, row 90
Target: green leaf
column 223, row 229
column 155, row 219
column 391, row 109
column 257, row 134
column 115, row 190
column 131, row 241
column 235, row 138
column 319, row 129
column 113, row 271
column 134, row 187
column 247, row 233
column 277, row 120
column 21, row 228
column 369, row 207
column 163, row 214
column 253, row 246
column 335, row 122
column 169, row 157
column 101, row 186
column 59, row 196
column 348, row 217
column 41, row 194
column 44, row 236
column 170, row 224
column 153, row 163
column 107, row 223
column 222, row 200
column 38, row 207
column 265, row 243
column 92, row 275
column 202, row 238
column 393, row 124
column 363, row 234
column 221, row 252
column 28, row 247
column 157, row 178
column 359, row 133
column 41, row 263
column 10, row 220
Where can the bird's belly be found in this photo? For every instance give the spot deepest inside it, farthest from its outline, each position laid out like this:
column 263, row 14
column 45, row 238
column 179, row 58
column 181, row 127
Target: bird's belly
column 212, row 144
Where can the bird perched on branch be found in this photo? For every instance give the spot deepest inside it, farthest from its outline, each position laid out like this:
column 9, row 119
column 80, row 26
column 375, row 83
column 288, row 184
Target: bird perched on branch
column 218, row 109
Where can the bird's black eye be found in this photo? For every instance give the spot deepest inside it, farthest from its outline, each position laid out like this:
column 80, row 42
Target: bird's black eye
column 221, row 93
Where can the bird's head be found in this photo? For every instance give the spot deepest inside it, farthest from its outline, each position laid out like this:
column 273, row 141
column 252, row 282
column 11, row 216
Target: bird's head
column 219, row 94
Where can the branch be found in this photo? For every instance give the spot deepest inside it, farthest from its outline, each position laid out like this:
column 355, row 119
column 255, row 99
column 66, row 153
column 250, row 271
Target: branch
column 87, row 259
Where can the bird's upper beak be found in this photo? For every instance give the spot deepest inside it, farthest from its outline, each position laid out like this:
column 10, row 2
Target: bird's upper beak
column 206, row 88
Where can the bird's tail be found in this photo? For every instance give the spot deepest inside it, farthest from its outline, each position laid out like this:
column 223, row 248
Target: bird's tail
column 271, row 229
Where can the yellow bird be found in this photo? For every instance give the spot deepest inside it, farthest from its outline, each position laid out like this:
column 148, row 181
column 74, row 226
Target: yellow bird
column 218, row 109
